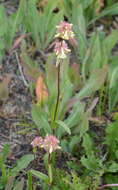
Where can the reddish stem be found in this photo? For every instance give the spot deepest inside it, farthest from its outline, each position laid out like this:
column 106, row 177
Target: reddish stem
column 58, row 92
column 108, row 185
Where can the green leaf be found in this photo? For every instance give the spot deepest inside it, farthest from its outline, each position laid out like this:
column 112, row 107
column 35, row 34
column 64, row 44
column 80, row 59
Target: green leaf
column 94, row 83
column 87, row 144
column 40, row 175
column 74, row 141
column 76, row 114
column 64, row 145
column 10, row 183
column 73, row 119
column 19, row 185
column 86, row 3
column 32, row 21
column 42, row 24
column 110, row 41
column 96, row 57
column 111, row 10
column 62, row 124
column 79, row 23
column 113, row 167
column 51, row 27
column 114, row 78
column 113, row 90
column 5, row 152
column 3, row 22
column 22, row 164
column 40, row 117
column 111, row 138
column 78, row 18
column 110, row 178
column 18, row 19
column 66, row 86
column 111, row 133
column 84, row 125
column 91, row 163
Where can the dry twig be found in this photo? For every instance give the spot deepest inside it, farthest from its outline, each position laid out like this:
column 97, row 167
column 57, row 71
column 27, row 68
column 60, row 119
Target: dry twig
column 20, row 69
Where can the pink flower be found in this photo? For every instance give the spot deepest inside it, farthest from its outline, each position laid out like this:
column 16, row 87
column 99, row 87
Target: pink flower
column 37, row 142
column 61, row 49
column 50, row 143
column 64, row 30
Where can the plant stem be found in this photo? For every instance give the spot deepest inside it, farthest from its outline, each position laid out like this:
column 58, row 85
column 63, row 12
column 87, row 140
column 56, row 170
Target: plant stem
column 108, row 185
column 50, row 170
column 58, row 92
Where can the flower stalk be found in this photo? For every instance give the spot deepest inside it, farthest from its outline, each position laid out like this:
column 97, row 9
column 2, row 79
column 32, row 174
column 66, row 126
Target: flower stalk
column 58, row 92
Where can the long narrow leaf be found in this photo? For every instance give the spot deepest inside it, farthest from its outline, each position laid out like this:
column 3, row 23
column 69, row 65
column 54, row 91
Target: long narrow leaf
column 65, row 127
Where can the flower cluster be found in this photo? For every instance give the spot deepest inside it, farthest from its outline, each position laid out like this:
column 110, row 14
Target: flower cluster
column 50, row 143
column 37, row 142
column 64, row 32
column 61, row 49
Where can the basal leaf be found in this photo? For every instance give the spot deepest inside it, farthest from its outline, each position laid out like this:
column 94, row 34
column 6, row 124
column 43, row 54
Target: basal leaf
column 3, row 22
column 79, row 23
column 22, row 164
column 18, row 19
column 94, row 83
column 40, row 175
column 19, row 185
column 111, row 10
column 113, row 80
column 40, row 117
column 111, row 138
column 113, row 167
column 87, row 144
column 110, row 41
column 10, row 183
column 65, row 127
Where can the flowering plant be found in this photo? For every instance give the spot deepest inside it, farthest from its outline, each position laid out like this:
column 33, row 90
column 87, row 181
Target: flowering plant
column 50, row 143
